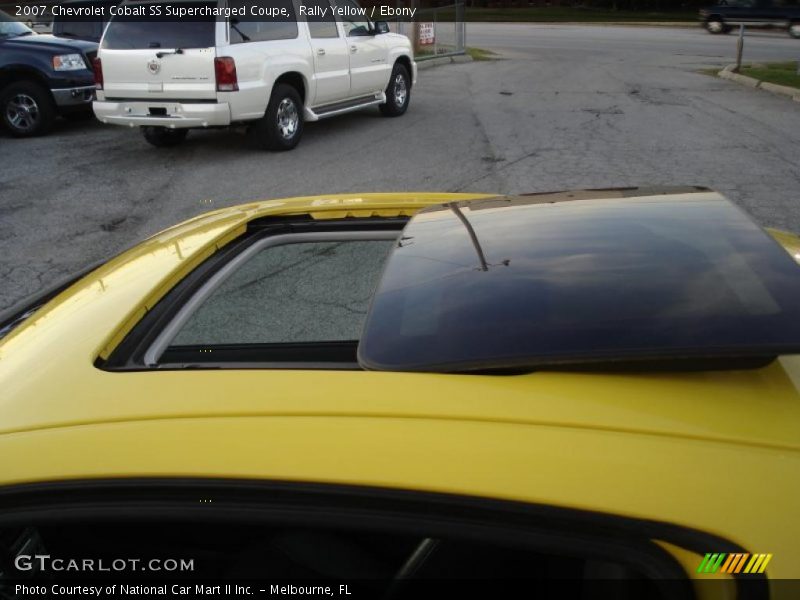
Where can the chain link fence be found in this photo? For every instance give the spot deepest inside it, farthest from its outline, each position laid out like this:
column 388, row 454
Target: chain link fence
column 435, row 32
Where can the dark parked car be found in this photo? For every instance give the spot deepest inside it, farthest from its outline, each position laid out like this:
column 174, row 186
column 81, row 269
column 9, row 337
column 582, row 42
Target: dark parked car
column 42, row 77
column 755, row 13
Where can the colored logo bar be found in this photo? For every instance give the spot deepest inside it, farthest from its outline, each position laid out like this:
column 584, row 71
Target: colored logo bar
column 734, row 563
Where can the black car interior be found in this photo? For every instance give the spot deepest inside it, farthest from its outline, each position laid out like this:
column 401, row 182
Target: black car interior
column 381, row 562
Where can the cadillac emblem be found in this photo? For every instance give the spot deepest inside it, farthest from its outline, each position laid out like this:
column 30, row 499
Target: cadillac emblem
column 154, row 67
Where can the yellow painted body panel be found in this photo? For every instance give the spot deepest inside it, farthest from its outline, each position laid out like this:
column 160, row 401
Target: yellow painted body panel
column 707, row 586
column 789, row 241
column 714, row 451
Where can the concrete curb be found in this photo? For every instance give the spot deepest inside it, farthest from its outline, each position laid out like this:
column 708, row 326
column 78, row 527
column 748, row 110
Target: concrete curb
column 781, row 89
column 442, row 60
column 730, row 74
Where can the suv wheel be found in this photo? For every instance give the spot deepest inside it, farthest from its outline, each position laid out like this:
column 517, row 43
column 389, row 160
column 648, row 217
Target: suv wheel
column 282, row 125
column 716, row 25
column 398, row 92
column 161, row 137
column 27, row 109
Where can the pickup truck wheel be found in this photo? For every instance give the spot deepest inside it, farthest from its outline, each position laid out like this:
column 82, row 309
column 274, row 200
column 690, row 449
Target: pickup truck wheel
column 27, row 109
column 161, row 137
column 794, row 29
column 281, row 126
column 716, row 25
column 398, row 92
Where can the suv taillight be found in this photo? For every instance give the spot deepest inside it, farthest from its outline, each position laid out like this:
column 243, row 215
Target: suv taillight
column 97, row 67
column 225, row 70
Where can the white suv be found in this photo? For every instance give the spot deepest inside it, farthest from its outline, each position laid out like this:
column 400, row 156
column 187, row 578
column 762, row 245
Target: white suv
column 312, row 63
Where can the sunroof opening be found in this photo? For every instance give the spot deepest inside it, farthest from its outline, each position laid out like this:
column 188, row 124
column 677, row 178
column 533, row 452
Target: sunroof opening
column 296, row 298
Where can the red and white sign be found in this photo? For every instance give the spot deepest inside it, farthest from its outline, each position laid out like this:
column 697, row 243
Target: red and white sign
column 426, row 34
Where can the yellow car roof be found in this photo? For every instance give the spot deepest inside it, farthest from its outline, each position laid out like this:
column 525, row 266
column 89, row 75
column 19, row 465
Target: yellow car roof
column 672, row 446
column 62, row 341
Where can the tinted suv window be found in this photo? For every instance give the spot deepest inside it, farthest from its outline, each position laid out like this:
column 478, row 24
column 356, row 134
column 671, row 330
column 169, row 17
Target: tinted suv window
column 300, row 292
column 278, row 28
column 321, row 25
column 83, row 30
column 129, row 33
column 353, row 25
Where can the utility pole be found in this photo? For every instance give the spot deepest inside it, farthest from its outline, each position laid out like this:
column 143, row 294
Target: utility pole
column 739, row 47
column 415, row 29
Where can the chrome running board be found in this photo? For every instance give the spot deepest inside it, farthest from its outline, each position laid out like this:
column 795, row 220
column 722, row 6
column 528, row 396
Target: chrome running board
column 331, row 110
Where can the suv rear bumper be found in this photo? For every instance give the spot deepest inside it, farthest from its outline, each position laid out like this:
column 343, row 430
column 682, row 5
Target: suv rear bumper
column 178, row 115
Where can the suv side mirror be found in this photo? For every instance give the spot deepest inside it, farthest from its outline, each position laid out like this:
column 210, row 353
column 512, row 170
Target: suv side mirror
column 381, row 27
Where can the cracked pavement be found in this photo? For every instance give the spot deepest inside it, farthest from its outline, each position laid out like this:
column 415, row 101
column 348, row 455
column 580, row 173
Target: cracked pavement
column 567, row 107
column 284, row 294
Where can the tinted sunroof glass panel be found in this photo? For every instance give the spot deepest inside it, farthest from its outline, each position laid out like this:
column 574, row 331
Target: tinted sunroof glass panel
column 526, row 282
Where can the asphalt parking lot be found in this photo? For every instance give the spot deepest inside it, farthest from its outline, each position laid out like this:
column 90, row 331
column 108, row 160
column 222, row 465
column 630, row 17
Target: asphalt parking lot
column 567, row 107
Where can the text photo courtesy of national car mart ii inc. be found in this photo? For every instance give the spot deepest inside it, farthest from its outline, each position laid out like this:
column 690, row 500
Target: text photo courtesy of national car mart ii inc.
column 190, row 9
column 184, row 590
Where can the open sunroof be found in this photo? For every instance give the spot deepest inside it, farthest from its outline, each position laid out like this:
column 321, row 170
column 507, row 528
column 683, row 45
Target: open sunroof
column 569, row 280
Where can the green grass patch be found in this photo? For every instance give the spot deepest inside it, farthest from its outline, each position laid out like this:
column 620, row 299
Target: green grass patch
column 478, row 54
column 481, row 54
column 783, row 73
column 442, row 51
column 567, row 15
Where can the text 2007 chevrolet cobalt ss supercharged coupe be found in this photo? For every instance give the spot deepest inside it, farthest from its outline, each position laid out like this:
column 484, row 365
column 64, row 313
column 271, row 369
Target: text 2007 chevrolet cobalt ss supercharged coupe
column 400, row 387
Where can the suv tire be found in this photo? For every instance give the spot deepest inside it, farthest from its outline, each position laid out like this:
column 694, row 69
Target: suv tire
column 161, row 137
column 398, row 92
column 281, row 127
column 27, row 109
